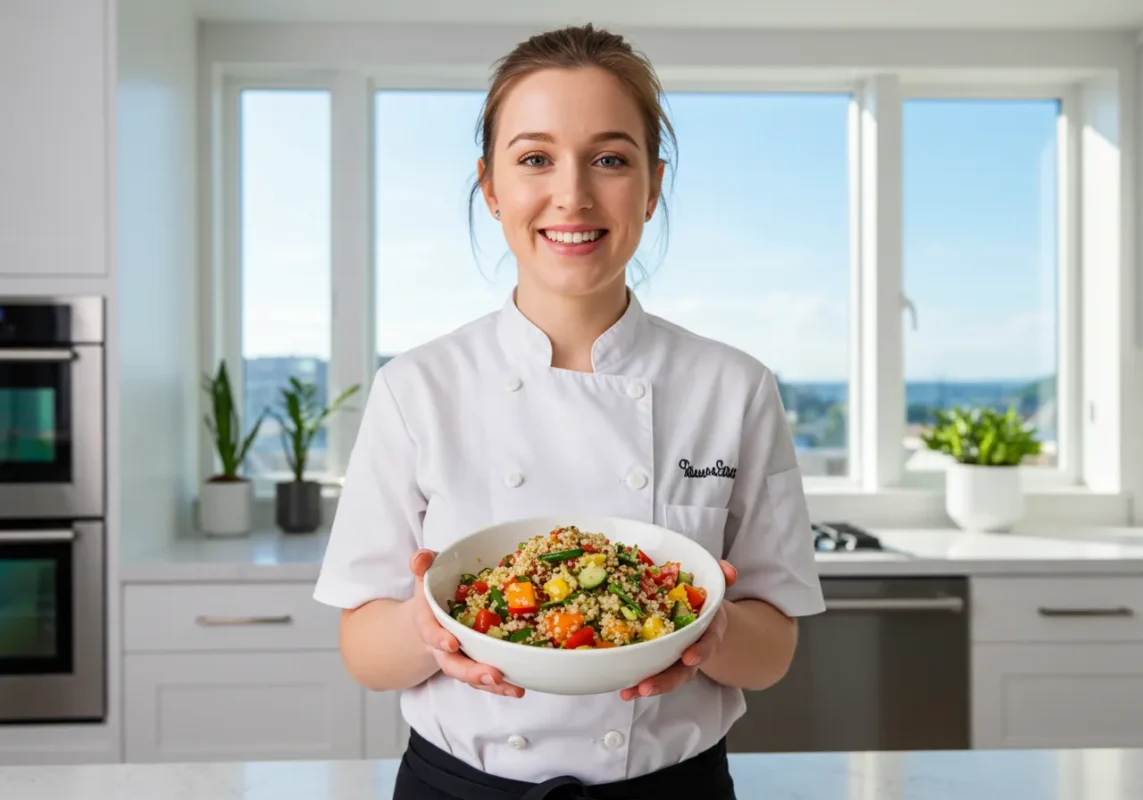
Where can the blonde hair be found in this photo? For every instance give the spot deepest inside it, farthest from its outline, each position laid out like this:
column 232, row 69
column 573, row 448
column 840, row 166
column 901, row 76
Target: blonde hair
column 572, row 48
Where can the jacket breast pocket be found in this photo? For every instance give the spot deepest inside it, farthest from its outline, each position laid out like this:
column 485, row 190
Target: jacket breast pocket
column 705, row 524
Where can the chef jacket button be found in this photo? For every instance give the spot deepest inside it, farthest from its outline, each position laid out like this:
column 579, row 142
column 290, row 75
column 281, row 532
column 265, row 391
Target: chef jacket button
column 513, row 383
column 513, row 479
column 613, row 739
column 637, row 480
column 635, row 390
column 517, row 741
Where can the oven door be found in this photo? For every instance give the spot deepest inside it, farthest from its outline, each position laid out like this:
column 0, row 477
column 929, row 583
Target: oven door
column 52, row 622
column 51, row 432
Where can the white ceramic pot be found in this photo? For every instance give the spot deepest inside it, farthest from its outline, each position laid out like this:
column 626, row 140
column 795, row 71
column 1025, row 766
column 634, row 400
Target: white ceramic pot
column 989, row 499
column 225, row 507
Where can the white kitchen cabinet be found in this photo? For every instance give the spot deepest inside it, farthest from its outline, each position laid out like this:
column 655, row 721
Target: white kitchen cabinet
column 1057, row 662
column 57, row 90
column 241, row 706
column 239, row 672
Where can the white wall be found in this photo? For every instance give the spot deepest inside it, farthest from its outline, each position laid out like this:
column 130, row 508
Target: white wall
column 159, row 384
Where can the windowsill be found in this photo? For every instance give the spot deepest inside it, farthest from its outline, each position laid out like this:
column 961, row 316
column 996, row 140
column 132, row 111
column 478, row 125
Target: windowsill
column 893, row 507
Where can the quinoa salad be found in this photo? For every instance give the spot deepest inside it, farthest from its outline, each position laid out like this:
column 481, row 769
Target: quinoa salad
column 575, row 590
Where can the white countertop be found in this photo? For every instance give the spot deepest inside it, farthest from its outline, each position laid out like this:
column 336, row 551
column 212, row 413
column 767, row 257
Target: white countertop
column 273, row 556
column 1099, row 774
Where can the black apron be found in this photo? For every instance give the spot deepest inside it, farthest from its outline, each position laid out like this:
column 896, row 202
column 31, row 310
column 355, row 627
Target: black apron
column 429, row 773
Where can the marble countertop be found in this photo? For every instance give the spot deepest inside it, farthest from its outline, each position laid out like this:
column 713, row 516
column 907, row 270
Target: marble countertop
column 272, row 556
column 1093, row 774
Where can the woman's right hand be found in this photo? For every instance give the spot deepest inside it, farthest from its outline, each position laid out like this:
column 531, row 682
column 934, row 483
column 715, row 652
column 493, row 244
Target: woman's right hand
column 444, row 646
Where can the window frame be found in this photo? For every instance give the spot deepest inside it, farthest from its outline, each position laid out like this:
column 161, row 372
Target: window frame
column 877, row 487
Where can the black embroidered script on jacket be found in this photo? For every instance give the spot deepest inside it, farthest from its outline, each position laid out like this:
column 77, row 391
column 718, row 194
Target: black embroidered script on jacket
column 719, row 470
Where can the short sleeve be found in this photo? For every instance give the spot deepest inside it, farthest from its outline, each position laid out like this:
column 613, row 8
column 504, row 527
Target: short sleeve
column 768, row 536
column 377, row 525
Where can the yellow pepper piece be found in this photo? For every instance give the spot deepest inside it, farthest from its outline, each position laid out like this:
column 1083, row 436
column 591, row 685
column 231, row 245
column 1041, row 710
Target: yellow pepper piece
column 652, row 629
column 678, row 594
column 596, row 559
column 557, row 589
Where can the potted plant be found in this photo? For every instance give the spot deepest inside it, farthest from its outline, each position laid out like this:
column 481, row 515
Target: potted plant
column 298, row 502
column 226, row 498
column 982, row 485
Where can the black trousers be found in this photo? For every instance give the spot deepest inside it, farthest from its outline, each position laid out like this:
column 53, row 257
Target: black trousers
column 429, row 773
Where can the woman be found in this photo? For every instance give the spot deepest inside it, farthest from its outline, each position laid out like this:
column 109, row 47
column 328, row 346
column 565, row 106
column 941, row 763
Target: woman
column 570, row 399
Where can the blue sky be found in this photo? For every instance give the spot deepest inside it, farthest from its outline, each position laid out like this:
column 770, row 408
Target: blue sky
column 759, row 239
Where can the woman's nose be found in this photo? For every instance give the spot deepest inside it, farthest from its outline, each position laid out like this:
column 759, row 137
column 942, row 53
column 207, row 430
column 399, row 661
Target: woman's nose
column 573, row 190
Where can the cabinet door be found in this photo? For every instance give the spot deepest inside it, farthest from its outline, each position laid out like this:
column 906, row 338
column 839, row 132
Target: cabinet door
column 55, row 91
column 241, row 707
column 1057, row 695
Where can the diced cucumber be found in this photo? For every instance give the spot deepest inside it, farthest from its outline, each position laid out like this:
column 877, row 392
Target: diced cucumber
column 467, row 578
column 625, row 556
column 679, row 609
column 496, row 632
column 467, row 618
column 683, row 620
column 686, row 577
column 627, row 612
column 592, row 576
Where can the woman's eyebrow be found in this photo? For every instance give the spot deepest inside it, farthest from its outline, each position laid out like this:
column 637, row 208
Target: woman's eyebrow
column 603, row 136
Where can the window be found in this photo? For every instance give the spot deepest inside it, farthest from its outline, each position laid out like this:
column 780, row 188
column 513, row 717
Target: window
column 425, row 157
column 981, row 266
column 285, row 257
column 758, row 250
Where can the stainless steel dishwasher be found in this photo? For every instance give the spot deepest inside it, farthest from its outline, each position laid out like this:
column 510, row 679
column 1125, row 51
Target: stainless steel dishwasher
column 885, row 667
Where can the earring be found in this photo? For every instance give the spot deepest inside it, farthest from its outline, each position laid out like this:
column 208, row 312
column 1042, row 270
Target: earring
column 497, row 212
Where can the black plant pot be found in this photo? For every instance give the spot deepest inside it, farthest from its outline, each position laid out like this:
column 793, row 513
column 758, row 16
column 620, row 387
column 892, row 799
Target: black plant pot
column 298, row 506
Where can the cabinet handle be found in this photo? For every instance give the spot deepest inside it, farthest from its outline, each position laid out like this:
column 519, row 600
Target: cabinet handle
column 954, row 605
column 1117, row 611
column 285, row 619
column 37, row 354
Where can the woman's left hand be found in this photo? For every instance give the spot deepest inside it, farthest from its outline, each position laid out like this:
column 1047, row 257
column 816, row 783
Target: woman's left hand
column 700, row 652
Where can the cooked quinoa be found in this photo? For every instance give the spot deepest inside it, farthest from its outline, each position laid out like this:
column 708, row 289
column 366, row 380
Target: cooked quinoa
column 577, row 590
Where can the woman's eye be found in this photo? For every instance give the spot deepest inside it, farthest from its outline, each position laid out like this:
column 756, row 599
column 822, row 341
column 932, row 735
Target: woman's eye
column 533, row 161
column 611, row 161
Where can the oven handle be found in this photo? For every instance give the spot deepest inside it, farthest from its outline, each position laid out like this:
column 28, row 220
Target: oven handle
column 953, row 605
column 24, row 537
column 38, row 354
column 285, row 619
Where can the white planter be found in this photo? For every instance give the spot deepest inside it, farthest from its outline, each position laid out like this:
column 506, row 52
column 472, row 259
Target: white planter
column 989, row 499
column 225, row 508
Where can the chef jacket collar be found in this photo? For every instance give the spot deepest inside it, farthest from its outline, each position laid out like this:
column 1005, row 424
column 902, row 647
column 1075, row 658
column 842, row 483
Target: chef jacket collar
column 525, row 344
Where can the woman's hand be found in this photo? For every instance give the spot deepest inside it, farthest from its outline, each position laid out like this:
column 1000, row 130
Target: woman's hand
column 687, row 666
column 444, row 646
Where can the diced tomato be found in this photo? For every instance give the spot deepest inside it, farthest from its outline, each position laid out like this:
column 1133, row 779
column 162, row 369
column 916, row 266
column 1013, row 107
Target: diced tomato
column 522, row 610
column 695, row 597
column 648, row 584
column 646, row 559
column 588, row 547
column 603, row 644
column 485, row 619
column 462, row 592
column 480, row 587
column 668, row 576
column 580, row 638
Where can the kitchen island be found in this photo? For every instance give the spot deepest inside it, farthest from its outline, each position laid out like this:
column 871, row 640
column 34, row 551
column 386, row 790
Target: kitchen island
column 1091, row 774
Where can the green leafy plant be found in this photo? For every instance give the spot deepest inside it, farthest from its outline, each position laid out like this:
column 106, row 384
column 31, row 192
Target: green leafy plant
column 982, row 436
column 224, row 426
column 301, row 418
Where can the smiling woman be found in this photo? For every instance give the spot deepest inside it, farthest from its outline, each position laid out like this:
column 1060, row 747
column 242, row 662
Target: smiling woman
column 570, row 399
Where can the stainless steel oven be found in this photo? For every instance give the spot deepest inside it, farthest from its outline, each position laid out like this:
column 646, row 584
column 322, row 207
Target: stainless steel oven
column 53, row 584
column 52, row 407
column 52, row 621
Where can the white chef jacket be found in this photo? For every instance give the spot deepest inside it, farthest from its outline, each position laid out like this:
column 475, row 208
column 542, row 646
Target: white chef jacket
column 476, row 428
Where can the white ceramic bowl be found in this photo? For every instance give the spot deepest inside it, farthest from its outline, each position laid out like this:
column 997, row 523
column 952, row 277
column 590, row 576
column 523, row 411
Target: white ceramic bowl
column 573, row 672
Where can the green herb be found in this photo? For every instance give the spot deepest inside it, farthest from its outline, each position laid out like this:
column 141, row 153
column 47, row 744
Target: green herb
column 562, row 555
column 617, row 590
column 467, row 579
column 521, row 635
column 497, row 605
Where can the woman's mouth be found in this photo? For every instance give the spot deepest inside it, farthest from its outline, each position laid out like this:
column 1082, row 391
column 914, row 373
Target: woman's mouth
column 572, row 243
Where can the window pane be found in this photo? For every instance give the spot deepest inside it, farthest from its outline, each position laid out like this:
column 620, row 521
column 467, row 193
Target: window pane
column 758, row 250
column 285, row 209
column 980, row 263
column 426, row 160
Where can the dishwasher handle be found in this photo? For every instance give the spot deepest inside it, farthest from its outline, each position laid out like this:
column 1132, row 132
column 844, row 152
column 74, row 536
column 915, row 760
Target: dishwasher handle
column 1114, row 611
column 951, row 605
